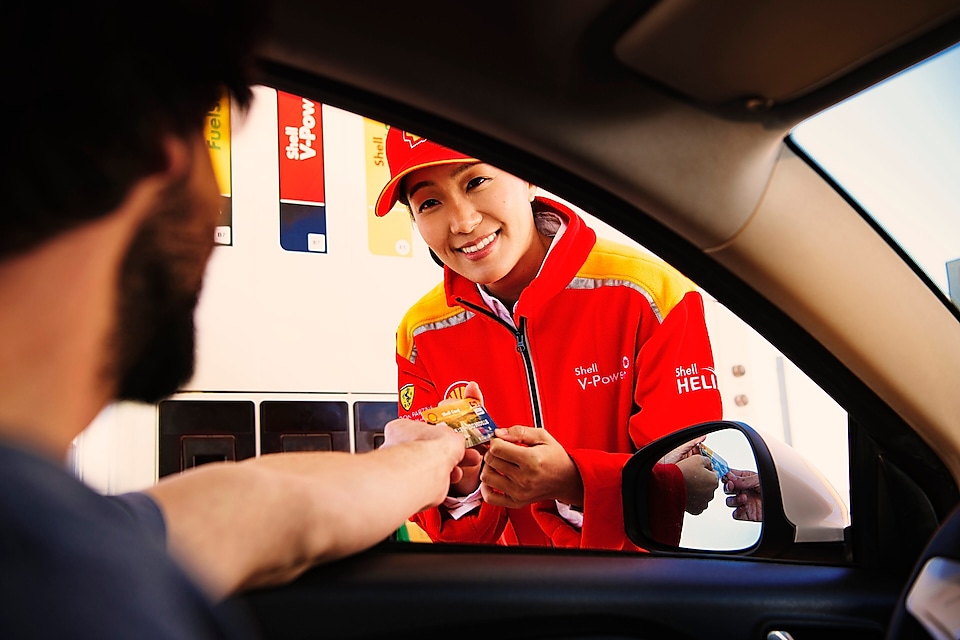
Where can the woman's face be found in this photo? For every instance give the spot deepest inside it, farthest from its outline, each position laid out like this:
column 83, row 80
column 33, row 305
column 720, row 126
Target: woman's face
column 479, row 222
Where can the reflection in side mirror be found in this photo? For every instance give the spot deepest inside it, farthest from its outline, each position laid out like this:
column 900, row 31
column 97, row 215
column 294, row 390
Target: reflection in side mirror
column 727, row 521
column 740, row 496
column 722, row 526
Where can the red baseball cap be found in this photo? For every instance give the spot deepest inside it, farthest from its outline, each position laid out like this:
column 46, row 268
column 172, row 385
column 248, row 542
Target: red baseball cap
column 406, row 153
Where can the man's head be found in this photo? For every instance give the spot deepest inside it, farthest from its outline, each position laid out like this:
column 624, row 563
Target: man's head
column 475, row 217
column 93, row 88
column 151, row 351
column 97, row 92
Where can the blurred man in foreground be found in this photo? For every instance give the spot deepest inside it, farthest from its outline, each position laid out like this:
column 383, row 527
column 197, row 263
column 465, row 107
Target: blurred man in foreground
column 108, row 222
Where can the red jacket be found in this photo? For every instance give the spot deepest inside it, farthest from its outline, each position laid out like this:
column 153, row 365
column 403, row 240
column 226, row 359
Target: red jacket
column 611, row 351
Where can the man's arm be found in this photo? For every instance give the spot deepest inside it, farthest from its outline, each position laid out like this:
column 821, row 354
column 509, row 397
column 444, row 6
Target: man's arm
column 263, row 521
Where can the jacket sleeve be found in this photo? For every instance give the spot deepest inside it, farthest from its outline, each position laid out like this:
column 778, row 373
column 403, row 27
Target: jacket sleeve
column 416, row 392
column 667, row 499
column 602, row 505
column 603, row 526
column 482, row 525
column 676, row 381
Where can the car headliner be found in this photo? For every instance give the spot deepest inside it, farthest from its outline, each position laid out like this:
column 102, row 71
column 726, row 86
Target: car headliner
column 679, row 109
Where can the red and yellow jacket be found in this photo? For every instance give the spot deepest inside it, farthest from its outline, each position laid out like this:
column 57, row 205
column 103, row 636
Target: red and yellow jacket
column 610, row 351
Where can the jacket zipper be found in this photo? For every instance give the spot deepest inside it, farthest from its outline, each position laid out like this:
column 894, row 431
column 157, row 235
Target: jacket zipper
column 520, row 334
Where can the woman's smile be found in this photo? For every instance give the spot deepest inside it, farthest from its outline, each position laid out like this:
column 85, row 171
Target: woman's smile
column 476, row 250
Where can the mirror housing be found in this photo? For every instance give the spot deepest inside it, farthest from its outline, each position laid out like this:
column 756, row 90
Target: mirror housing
column 803, row 516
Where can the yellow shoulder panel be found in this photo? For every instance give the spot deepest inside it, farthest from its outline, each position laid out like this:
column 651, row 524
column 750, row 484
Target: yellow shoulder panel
column 617, row 262
column 431, row 309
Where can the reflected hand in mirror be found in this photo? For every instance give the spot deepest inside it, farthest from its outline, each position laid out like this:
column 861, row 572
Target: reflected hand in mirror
column 724, row 524
column 776, row 501
column 701, row 483
column 744, row 487
column 698, row 475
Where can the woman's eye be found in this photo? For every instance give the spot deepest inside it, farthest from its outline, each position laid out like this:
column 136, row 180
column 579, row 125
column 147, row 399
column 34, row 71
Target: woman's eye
column 427, row 204
column 476, row 182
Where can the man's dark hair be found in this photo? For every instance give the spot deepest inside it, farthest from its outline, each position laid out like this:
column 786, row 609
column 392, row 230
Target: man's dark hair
column 91, row 90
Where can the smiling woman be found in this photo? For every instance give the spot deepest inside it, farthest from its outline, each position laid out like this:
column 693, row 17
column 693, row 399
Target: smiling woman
column 515, row 263
column 477, row 219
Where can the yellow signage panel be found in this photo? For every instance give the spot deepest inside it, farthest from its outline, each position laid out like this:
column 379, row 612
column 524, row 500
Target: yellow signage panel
column 216, row 132
column 392, row 234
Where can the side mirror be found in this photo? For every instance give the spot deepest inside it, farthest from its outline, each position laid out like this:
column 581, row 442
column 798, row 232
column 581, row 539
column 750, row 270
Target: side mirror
column 788, row 509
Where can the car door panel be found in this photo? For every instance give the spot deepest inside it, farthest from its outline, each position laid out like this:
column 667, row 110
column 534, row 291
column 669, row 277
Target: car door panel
column 512, row 593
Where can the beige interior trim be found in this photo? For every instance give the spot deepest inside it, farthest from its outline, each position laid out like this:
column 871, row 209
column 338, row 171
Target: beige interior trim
column 792, row 265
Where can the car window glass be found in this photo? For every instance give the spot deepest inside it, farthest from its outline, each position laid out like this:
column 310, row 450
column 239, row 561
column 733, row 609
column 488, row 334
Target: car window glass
column 304, row 293
column 895, row 149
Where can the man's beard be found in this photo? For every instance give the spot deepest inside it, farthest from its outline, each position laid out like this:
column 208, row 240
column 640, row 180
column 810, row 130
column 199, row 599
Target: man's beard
column 154, row 337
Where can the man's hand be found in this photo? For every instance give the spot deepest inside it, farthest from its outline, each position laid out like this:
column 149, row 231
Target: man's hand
column 404, row 430
column 524, row 465
column 746, row 499
column 465, row 479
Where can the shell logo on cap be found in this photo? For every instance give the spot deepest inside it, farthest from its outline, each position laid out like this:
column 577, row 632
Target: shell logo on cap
column 406, row 396
column 412, row 140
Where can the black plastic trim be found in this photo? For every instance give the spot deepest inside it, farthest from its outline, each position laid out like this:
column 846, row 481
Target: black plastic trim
column 430, row 591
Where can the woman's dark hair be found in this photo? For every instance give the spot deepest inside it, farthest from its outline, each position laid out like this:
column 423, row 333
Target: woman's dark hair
column 92, row 88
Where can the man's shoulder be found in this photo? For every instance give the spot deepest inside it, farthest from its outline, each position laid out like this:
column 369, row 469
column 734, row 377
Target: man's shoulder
column 52, row 514
column 90, row 559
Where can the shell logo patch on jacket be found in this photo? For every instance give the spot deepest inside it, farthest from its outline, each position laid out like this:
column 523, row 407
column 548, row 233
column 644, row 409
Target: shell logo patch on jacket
column 456, row 390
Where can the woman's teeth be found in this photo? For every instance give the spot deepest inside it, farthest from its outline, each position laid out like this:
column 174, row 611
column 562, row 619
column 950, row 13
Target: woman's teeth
column 480, row 245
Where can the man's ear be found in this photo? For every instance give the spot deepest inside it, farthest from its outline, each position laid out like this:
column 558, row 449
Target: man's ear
column 178, row 156
column 531, row 191
column 178, row 159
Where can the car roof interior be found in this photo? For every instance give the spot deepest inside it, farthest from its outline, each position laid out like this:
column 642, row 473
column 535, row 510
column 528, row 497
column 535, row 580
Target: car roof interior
column 679, row 109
